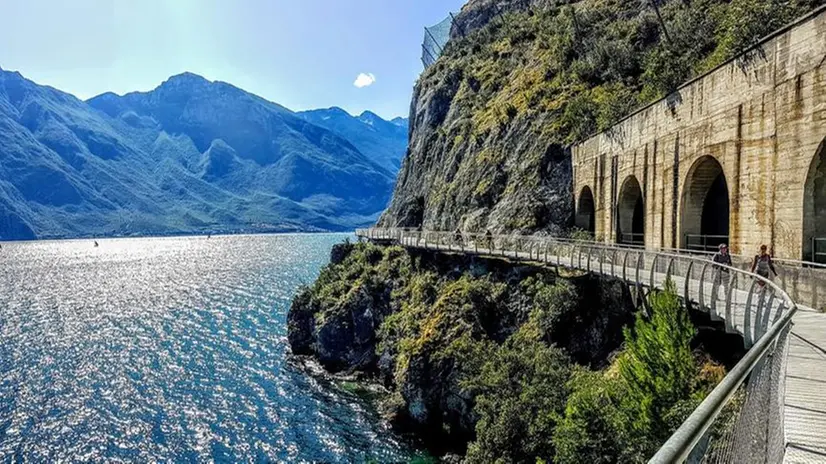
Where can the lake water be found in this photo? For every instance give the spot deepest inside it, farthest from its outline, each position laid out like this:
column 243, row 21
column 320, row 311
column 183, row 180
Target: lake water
column 169, row 350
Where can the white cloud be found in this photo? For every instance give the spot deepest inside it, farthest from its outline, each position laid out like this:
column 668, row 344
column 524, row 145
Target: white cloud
column 365, row 80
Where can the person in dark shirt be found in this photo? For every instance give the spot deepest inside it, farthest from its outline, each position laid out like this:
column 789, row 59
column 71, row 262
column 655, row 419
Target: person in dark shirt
column 721, row 274
column 722, row 256
column 763, row 264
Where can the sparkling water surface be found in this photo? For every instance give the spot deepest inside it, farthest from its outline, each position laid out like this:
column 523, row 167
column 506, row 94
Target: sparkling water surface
column 169, row 350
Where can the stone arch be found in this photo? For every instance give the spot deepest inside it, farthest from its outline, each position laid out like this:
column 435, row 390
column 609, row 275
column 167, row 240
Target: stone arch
column 586, row 211
column 631, row 213
column 705, row 206
column 814, row 208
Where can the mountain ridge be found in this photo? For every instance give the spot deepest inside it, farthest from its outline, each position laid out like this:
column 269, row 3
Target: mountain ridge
column 384, row 142
column 190, row 156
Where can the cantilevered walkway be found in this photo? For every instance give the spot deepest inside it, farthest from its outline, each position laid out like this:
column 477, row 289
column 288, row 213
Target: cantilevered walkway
column 782, row 406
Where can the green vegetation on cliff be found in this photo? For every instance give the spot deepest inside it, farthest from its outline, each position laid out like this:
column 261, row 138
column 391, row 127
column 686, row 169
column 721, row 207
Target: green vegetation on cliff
column 490, row 118
column 624, row 413
column 511, row 360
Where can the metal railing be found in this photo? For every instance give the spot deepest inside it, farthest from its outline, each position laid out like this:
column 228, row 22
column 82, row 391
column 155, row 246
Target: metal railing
column 819, row 250
column 704, row 242
column 632, row 239
column 746, row 303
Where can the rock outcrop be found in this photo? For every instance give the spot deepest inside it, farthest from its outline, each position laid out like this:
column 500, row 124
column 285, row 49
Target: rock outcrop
column 353, row 318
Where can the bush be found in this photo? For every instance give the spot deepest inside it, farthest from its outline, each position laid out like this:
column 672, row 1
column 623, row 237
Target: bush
column 626, row 413
column 595, row 428
column 658, row 364
column 521, row 396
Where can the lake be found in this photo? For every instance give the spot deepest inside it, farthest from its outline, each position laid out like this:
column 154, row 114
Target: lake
column 170, row 350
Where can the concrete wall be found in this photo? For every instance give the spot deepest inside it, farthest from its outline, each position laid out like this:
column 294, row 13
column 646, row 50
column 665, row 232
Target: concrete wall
column 762, row 116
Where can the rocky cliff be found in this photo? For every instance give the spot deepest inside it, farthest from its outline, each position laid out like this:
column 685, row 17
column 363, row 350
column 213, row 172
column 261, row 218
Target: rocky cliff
column 424, row 324
column 515, row 362
column 522, row 79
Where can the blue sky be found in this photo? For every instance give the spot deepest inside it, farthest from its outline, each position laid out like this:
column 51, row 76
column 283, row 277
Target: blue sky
column 302, row 54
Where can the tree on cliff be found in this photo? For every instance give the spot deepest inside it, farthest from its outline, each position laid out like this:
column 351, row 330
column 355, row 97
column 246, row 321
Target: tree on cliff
column 625, row 413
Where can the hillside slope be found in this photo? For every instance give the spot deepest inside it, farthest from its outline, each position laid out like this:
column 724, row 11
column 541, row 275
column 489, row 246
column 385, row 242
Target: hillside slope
column 383, row 142
column 189, row 156
column 521, row 80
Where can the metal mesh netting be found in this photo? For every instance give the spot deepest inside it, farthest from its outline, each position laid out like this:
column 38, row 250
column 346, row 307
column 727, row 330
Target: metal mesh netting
column 435, row 39
column 750, row 427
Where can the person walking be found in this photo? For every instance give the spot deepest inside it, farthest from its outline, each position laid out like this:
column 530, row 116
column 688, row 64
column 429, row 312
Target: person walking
column 722, row 274
column 762, row 264
column 489, row 239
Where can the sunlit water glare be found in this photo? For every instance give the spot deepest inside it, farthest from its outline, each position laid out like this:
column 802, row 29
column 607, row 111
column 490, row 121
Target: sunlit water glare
column 168, row 350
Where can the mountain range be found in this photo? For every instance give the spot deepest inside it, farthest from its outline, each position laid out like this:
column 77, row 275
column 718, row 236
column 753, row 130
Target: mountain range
column 385, row 142
column 191, row 156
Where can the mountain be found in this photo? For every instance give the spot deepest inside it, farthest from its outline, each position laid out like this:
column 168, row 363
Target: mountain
column 522, row 80
column 190, row 156
column 384, row 142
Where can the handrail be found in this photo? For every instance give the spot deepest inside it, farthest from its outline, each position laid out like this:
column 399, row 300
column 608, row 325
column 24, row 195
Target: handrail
column 680, row 445
column 682, row 442
column 671, row 253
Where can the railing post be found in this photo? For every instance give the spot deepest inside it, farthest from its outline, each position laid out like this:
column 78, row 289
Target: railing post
column 579, row 257
column 702, row 287
column 758, row 316
column 589, row 260
column 653, row 268
column 767, row 314
column 747, row 336
column 731, row 285
column 601, row 260
column 624, row 266
column 780, row 310
column 639, row 260
column 614, row 263
column 558, row 258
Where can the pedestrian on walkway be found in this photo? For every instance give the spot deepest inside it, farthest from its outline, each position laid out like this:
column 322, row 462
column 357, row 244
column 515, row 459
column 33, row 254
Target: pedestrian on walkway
column 763, row 264
column 489, row 239
column 722, row 274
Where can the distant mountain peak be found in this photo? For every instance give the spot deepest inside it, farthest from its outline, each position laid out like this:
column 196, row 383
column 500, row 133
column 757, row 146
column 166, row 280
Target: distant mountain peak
column 191, row 155
column 188, row 77
column 369, row 114
column 370, row 118
column 380, row 140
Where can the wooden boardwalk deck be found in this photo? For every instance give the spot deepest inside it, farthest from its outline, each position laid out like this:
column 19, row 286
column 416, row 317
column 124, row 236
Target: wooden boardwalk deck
column 805, row 381
column 805, row 395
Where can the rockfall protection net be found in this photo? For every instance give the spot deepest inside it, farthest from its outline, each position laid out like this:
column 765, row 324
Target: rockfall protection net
column 750, row 427
column 435, row 39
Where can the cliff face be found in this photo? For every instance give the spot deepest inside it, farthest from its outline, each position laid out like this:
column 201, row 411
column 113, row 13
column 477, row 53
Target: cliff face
column 425, row 325
column 520, row 80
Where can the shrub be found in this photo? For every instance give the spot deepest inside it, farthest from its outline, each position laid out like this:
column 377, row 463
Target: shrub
column 521, row 396
column 624, row 414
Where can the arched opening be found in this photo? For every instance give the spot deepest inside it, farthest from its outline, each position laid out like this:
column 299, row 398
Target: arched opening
column 705, row 213
column 631, row 214
column 814, row 209
column 586, row 211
